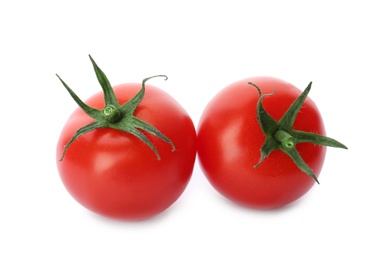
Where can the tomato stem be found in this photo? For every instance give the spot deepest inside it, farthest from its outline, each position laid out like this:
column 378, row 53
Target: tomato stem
column 111, row 114
column 285, row 139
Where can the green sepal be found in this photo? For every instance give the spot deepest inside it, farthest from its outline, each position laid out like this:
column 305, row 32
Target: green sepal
column 114, row 115
column 280, row 135
column 83, row 130
column 109, row 95
column 288, row 119
column 303, row 137
column 92, row 112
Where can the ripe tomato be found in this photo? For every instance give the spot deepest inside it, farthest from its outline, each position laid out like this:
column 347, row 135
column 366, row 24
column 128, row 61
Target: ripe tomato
column 115, row 173
column 230, row 137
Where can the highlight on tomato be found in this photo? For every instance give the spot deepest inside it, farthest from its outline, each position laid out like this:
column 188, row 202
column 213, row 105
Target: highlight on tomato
column 128, row 152
column 261, row 142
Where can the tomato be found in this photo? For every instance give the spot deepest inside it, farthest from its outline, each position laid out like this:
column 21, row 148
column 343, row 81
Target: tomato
column 117, row 174
column 236, row 130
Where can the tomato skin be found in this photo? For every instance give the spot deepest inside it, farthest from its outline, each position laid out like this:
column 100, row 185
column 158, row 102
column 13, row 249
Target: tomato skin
column 230, row 138
column 113, row 173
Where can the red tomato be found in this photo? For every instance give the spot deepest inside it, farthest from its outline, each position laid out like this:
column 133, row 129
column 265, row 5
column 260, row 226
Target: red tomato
column 114, row 173
column 230, row 138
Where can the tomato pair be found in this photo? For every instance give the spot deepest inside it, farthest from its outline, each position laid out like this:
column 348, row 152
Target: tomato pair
column 128, row 152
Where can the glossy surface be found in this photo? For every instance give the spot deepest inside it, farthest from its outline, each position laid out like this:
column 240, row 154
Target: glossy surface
column 230, row 138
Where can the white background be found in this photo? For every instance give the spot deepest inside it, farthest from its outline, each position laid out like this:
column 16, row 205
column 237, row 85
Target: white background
column 202, row 46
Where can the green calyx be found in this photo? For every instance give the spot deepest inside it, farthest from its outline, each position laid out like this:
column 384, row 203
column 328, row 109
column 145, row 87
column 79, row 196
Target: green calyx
column 281, row 136
column 114, row 115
